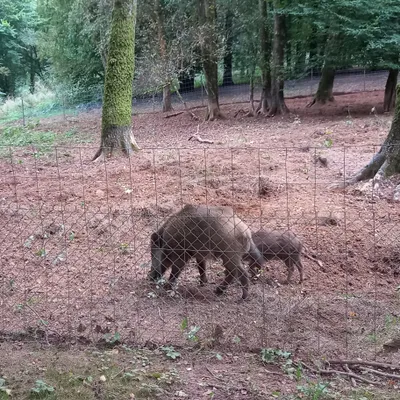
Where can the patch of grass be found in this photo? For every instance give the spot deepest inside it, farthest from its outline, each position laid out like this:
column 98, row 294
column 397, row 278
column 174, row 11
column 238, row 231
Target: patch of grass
column 22, row 136
column 40, row 141
column 83, row 375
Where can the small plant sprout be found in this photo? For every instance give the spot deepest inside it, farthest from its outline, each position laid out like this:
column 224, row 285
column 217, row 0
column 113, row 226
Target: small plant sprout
column 124, row 248
column 170, row 352
column 191, row 334
column 41, row 253
column 112, row 338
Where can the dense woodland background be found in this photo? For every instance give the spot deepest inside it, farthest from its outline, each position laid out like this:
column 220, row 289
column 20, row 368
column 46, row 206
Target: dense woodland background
column 62, row 45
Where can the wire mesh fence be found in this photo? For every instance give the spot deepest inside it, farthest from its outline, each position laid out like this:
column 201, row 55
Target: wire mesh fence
column 75, row 251
column 69, row 102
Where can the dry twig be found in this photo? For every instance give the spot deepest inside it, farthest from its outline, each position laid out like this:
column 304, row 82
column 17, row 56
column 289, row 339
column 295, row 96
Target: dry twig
column 360, row 362
column 174, row 114
column 201, row 140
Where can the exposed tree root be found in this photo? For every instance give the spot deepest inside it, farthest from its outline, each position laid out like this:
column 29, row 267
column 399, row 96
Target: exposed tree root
column 315, row 100
column 174, row 114
column 213, row 114
column 125, row 144
column 375, row 170
column 201, row 140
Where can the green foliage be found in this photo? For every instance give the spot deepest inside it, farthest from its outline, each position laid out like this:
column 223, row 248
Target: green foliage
column 18, row 45
column 5, row 392
column 170, row 352
column 41, row 389
column 313, row 391
column 75, row 37
column 26, row 136
column 112, row 338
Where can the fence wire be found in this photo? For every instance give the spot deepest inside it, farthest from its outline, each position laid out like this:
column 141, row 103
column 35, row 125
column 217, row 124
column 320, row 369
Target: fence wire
column 70, row 103
column 75, row 251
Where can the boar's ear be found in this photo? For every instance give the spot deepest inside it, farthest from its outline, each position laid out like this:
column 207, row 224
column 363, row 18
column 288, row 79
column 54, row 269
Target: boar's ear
column 156, row 239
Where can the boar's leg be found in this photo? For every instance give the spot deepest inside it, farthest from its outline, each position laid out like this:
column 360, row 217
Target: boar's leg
column 233, row 267
column 291, row 262
column 201, row 265
column 255, row 259
column 178, row 263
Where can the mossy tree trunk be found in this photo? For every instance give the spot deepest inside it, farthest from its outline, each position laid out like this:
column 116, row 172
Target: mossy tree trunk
column 386, row 161
column 167, row 100
column 208, row 44
column 265, row 39
column 325, row 86
column 116, row 130
column 390, row 90
column 278, row 105
column 228, row 56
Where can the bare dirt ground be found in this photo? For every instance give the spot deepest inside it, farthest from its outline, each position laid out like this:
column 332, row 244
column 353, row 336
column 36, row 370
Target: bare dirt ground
column 75, row 234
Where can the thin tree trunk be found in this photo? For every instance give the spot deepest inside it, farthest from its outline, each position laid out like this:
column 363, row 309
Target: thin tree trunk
column 390, row 90
column 167, row 103
column 32, row 72
column 228, row 56
column 278, row 105
column 207, row 17
column 265, row 39
column 325, row 86
column 116, row 132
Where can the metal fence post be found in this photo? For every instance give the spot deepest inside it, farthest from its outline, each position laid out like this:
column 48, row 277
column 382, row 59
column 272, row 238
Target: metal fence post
column 202, row 90
column 23, row 111
column 311, row 81
column 364, row 79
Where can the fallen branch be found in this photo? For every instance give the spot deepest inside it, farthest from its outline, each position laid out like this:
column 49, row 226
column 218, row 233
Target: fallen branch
column 185, row 105
column 215, row 376
column 174, row 114
column 336, row 372
column 353, row 381
column 360, row 362
column 380, row 373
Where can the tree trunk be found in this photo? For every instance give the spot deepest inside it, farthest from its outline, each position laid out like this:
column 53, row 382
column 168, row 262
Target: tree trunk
column 167, row 104
column 390, row 90
column 265, row 39
column 228, row 56
column 116, row 132
column 208, row 43
column 278, row 105
column 387, row 161
column 325, row 86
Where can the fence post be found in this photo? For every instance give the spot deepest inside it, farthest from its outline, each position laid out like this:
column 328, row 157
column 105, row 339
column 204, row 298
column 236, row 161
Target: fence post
column 202, row 90
column 154, row 106
column 311, row 81
column 364, row 79
column 63, row 105
column 23, row 111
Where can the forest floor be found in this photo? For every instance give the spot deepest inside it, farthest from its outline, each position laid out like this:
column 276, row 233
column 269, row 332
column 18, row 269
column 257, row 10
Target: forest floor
column 74, row 256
